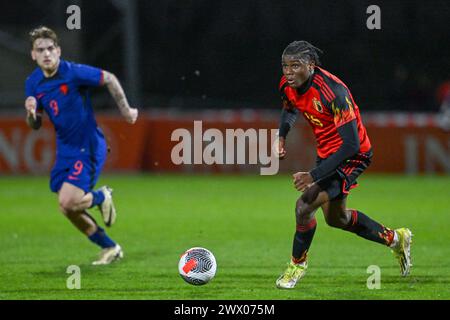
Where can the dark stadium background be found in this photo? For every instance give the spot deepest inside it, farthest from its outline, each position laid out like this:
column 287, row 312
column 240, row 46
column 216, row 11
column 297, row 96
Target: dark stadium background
column 190, row 54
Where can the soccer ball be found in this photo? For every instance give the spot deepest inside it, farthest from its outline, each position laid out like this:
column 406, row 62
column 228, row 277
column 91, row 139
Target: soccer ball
column 197, row 266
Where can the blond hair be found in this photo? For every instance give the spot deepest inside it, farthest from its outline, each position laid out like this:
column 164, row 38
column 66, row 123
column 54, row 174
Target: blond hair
column 44, row 33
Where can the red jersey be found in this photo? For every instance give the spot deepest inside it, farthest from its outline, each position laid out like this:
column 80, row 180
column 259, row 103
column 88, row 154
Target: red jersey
column 326, row 103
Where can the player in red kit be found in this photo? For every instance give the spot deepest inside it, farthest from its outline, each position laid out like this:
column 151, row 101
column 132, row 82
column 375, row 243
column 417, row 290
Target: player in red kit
column 343, row 153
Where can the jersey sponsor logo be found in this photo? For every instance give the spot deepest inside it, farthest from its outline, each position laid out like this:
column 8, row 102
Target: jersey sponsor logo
column 313, row 119
column 40, row 95
column 317, row 105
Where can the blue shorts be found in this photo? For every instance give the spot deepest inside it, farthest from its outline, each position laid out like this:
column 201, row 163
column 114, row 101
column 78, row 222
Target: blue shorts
column 82, row 172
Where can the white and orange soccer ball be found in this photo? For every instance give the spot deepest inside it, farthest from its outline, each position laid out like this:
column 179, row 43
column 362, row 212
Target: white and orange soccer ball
column 197, row 266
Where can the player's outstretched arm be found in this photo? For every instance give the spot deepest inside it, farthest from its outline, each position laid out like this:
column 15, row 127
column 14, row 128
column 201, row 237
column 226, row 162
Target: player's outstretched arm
column 117, row 92
column 34, row 120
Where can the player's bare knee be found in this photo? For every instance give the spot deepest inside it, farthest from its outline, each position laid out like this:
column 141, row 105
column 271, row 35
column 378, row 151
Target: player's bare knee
column 65, row 209
column 299, row 208
column 310, row 195
column 67, row 205
column 302, row 211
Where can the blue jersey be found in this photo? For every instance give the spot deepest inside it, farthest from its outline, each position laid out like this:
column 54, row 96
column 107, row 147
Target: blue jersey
column 65, row 98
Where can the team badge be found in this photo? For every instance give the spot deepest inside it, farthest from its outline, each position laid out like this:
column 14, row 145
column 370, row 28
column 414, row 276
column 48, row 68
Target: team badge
column 64, row 88
column 317, row 105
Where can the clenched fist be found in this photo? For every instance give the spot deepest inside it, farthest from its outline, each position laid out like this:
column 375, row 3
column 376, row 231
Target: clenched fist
column 130, row 115
column 30, row 106
column 280, row 147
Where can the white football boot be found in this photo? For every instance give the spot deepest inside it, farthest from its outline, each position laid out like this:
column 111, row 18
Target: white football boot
column 402, row 250
column 107, row 208
column 292, row 275
column 109, row 255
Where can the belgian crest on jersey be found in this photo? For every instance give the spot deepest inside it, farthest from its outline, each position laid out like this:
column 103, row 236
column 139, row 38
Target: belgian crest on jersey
column 317, row 105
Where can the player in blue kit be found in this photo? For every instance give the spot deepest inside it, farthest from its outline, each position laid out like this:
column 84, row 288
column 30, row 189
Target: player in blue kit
column 60, row 88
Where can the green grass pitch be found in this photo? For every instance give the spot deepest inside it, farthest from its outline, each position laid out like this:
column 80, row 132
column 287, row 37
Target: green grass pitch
column 246, row 221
